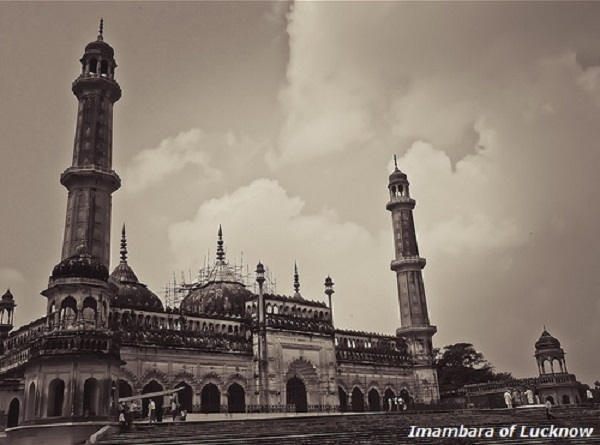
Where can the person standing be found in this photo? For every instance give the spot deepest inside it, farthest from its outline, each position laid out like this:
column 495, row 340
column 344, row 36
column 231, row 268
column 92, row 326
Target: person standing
column 549, row 415
column 508, row 399
column 152, row 411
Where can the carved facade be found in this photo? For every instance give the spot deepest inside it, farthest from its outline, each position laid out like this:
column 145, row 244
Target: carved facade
column 107, row 336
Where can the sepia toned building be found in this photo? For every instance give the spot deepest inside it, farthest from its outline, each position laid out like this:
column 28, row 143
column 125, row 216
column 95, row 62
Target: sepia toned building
column 230, row 344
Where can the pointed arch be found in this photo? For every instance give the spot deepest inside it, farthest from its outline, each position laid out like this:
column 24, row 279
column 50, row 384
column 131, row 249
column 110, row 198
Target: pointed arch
column 152, row 386
column 303, row 369
column 388, row 395
column 211, row 377
column 236, row 397
column 358, row 400
column 30, row 404
column 296, row 394
column 210, row 398
column 343, row 396
column 56, row 397
column 91, row 397
column 374, row 400
column 185, row 397
column 154, row 374
column 13, row 413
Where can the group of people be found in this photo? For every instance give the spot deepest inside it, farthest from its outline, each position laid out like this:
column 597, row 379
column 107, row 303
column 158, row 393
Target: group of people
column 397, row 404
column 521, row 397
column 177, row 411
column 515, row 398
column 131, row 411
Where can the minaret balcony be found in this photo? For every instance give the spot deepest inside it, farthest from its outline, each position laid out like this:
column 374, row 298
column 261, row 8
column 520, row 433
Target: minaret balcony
column 90, row 176
column 92, row 83
column 401, row 202
column 408, row 263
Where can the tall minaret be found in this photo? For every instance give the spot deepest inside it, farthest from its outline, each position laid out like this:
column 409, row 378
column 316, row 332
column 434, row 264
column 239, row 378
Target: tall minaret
column 414, row 319
column 90, row 180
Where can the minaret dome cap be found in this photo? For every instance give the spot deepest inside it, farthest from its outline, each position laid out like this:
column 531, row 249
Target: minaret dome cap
column 99, row 46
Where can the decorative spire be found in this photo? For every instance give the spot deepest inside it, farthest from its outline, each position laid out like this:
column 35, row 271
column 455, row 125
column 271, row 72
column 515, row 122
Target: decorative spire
column 395, row 164
column 296, row 278
column 123, row 245
column 101, row 30
column 220, row 251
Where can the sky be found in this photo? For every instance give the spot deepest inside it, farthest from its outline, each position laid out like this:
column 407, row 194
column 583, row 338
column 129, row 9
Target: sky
column 279, row 121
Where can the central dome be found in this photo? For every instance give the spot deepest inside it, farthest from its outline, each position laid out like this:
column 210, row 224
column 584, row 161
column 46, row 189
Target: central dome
column 222, row 291
column 221, row 297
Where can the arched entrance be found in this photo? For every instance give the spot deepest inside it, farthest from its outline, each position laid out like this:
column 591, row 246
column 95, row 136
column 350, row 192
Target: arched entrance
column 374, row 402
column 406, row 398
column 91, row 393
column 237, row 399
column 388, row 395
column 566, row 400
column 185, row 396
column 210, row 399
column 296, row 394
column 358, row 400
column 153, row 386
column 13, row 413
column 343, row 399
column 56, row 397
column 30, row 406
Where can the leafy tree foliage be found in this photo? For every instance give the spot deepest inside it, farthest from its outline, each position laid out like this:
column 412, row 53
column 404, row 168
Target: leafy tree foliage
column 461, row 364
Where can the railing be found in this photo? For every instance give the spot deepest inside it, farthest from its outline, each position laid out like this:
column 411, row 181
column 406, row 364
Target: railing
column 313, row 325
column 270, row 408
column 68, row 343
column 187, row 339
column 373, row 356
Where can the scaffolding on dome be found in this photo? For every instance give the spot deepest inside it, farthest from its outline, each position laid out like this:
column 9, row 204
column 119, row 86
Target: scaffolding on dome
column 177, row 289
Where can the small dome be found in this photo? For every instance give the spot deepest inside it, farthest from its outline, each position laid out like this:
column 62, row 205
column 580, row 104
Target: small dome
column 547, row 341
column 130, row 293
column 397, row 175
column 7, row 295
column 100, row 47
column 81, row 265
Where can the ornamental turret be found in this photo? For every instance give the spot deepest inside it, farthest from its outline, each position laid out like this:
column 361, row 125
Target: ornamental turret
column 7, row 312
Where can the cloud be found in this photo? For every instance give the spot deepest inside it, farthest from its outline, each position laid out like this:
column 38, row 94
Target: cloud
column 10, row 277
column 265, row 223
column 153, row 165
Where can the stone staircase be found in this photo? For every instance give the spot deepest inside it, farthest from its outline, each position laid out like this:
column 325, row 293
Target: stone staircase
column 366, row 428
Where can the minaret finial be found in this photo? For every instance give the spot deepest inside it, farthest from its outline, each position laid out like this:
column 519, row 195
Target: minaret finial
column 395, row 164
column 123, row 245
column 220, row 251
column 101, row 30
column 296, row 278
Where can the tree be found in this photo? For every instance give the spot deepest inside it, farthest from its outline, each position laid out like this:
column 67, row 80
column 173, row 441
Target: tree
column 461, row 364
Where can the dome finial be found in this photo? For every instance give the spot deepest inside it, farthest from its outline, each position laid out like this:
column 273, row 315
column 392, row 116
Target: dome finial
column 220, row 251
column 101, row 30
column 296, row 278
column 123, row 245
column 395, row 164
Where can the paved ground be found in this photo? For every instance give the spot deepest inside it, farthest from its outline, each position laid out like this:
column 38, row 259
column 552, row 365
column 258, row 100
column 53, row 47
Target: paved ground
column 370, row 429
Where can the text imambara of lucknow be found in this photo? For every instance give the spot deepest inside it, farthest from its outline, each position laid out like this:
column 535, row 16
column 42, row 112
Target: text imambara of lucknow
column 514, row 430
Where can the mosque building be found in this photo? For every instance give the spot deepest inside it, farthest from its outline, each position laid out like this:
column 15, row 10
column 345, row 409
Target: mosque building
column 230, row 346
